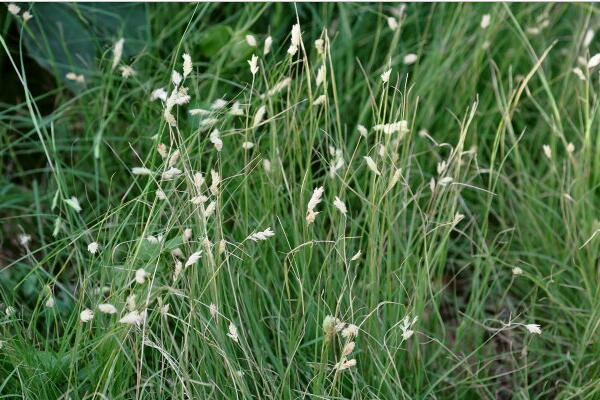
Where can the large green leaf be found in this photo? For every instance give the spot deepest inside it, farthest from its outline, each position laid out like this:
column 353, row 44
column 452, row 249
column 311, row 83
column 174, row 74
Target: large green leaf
column 72, row 37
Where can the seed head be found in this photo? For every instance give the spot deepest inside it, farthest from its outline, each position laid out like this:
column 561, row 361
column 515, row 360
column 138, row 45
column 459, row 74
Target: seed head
column 188, row 66
column 86, row 315
column 253, row 62
column 107, row 308
column 117, row 52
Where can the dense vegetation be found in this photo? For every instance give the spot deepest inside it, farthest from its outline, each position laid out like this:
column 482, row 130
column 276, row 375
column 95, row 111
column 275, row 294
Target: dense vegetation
column 389, row 202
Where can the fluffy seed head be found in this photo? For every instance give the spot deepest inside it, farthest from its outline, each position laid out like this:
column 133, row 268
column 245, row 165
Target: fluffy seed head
column 547, row 151
column 86, row 315
column 251, row 40
column 594, row 61
column 188, row 66
column 345, row 364
column 268, row 44
column 176, row 78
column 140, row 275
column 258, row 117
column 13, row 9
column 193, row 258
column 534, row 328
column 339, row 204
column 253, row 62
column 410, row 58
column 73, row 203
column 392, row 23
column 132, row 318
column 107, row 308
column 93, row 247
column 233, row 332
column 385, row 77
column 264, row 235
column 117, row 52
column 485, row 21
column 351, row 331
column 371, row 164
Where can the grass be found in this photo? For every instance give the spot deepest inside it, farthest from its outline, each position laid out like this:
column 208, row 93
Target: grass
column 480, row 104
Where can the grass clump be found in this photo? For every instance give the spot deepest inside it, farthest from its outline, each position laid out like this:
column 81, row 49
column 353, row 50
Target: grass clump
column 305, row 201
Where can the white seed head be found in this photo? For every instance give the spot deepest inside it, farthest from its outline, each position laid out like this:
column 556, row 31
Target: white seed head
column 141, row 171
column 188, row 66
column 210, row 209
column 251, row 40
column 127, row 71
column 594, row 61
column 339, row 204
column 392, row 23
column 268, row 44
column 445, row 181
column 362, row 130
column 73, row 202
column 13, row 9
column 187, row 235
column 193, row 258
column 264, row 235
column 178, row 269
column 266, row 165
column 320, row 100
column 173, row 159
column 72, row 76
column 321, row 75
column 587, row 40
column 162, row 150
column 253, row 62
column 579, row 73
column 132, row 318
column 400, row 127
column 236, row 109
column 86, row 315
column 213, row 310
column 385, row 77
column 371, row 164
column 50, row 301
column 351, row 331
column 176, row 78
column 485, row 21
column 345, row 364
column 534, row 328
column 117, row 52
column 259, row 116
column 171, row 173
column 233, row 332
column 516, row 271
column 247, row 145
column 107, row 308
column 218, row 104
column 410, row 58
column 315, row 199
column 570, row 148
column 320, row 46
column 140, row 276
column 547, row 151
column 24, row 239
column 215, row 139
column 348, row 348
column 215, row 182
column 93, row 247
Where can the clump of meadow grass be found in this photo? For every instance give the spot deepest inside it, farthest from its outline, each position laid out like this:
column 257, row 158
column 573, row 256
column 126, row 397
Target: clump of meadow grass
column 335, row 201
